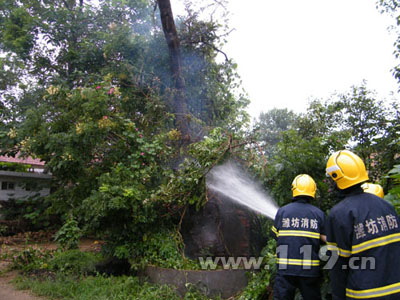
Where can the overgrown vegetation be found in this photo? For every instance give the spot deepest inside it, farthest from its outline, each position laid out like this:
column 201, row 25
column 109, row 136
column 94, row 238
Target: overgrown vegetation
column 260, row 283
column 69, row 235
column 14, row 167
column 99, row 287
column 87, row 89
column 72, row 274
column 394, row 193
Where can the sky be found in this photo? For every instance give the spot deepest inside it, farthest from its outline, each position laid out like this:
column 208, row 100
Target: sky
column 291, row 51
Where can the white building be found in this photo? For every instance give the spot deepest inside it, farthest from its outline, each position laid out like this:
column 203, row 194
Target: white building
column 21, row 185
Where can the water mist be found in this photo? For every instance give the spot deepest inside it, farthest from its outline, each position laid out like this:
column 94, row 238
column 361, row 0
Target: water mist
column 235, row 184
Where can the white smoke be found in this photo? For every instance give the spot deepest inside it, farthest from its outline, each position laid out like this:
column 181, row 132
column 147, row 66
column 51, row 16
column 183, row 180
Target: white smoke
column 235, row 184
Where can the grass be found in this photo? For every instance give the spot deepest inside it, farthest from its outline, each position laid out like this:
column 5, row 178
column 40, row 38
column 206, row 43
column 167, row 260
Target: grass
column 100, row 288
column 71, row 275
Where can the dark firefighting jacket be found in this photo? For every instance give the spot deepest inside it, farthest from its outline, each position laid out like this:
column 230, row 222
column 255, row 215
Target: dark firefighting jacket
column 298, row 227
column 363, row 231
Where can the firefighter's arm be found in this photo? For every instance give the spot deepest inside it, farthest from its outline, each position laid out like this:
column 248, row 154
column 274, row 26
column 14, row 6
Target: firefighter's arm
column 274, row 232
column 275, row 227
column 323, row 238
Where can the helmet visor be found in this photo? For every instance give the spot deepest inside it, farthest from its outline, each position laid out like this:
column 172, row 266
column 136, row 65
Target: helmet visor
column 334, row 172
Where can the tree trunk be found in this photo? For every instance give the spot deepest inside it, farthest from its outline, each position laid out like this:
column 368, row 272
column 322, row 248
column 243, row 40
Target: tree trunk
column 171, row 35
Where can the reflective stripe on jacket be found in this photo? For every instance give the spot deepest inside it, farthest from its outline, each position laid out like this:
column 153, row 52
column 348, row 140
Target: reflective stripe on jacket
column 298, row 227
column 364, row 231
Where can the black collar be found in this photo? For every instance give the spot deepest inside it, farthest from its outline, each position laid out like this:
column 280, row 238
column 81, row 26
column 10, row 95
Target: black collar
column 351, row 191
column 301, row 199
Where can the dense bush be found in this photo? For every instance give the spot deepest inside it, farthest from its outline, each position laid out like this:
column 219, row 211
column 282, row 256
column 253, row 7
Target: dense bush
column 31, row 214
column 16, row 167
column 394, row 194
column 74, row 262
column 261, row 282
column 30, row 259
column 69, row 235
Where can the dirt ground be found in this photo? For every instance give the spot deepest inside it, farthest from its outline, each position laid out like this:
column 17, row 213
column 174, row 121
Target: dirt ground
column 7, row 290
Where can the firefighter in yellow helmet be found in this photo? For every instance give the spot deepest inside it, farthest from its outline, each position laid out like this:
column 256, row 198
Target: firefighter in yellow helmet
column 363, row 232
column 372, row 188
column 298, row 229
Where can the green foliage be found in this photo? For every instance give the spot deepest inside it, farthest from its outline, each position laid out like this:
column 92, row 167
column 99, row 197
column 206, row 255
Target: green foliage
column 84, row 42
column 15, row 167
column 103, row 288
column 299, row 144
column 91, row 136
column 68, row 235
column 394, row 194
column 31, row 259
column 92, row 98
column 3, row 229
column 373, row 126
column 270, row 126
column 260, row 283
column 65, row 275
column 187, row 184
column 32, row 212
column 74, row 262
column 124, row 207
column 355, row 118
column 391, row 7
column 71, row 262
column 163, row 249
column 134, row 201
column 17, row 32
column 297, row 154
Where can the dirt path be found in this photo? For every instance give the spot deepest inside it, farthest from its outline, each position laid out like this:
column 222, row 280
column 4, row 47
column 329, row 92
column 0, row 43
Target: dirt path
column 7, row 290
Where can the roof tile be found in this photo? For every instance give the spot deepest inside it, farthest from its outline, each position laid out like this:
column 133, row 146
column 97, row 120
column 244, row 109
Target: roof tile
column 23, row 160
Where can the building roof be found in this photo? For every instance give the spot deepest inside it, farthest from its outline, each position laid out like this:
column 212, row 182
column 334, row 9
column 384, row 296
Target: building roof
column 22, row 160
column 32, row 175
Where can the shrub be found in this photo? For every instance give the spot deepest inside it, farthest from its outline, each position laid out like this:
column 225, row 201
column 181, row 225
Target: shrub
column 394, row 194
column 31, row 214
column 260, row 283
column 69, row 234
column 31, row 259
column 74, row 262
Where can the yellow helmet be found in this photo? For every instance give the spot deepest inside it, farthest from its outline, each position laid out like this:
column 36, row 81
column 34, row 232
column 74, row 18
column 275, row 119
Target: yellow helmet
column 372, row 188
column 304, row 185
column 346, row 168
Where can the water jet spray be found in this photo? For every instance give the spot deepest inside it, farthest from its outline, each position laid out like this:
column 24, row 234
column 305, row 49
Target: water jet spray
column 235, row 184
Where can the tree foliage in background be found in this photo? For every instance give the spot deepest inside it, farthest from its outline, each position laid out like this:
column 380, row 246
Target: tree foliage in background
column 301, row 143
column 372, row 124
column 394, row 194
column 392, row 8
column 87, row 88
column 355, row 120
column 270, row 126
column 73, row 44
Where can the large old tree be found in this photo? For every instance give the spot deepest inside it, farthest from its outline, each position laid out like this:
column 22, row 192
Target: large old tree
column 171, row 36
column 87, row 87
